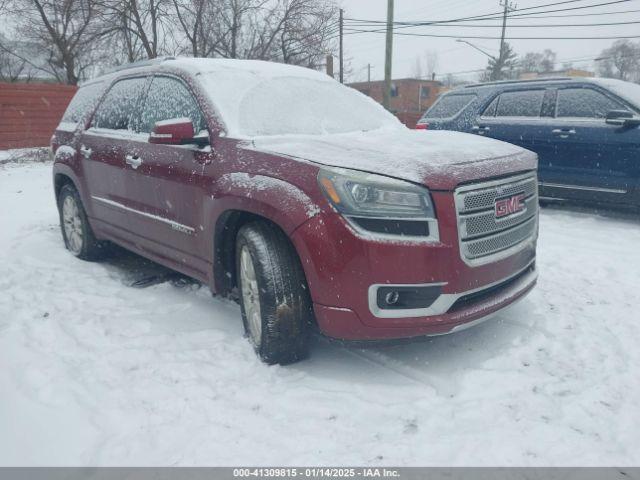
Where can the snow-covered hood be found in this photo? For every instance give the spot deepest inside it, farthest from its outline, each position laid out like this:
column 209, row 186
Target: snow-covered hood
column 438, row 159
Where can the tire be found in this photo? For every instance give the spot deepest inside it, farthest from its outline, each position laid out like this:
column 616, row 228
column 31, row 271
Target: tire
column 276, row 310
column 76, row 231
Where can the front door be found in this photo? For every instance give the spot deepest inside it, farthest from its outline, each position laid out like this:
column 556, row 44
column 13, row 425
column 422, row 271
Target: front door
column 168, row 183
column 590, row 159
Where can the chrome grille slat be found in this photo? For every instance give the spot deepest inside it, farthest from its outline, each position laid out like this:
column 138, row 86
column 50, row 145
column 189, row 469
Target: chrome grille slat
column 485, row 198
column 500, row 241
column 483, row 237
column 483, row 223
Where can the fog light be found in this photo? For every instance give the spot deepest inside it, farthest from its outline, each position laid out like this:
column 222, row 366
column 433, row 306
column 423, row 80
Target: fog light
column 392, row 297
column 403, row 297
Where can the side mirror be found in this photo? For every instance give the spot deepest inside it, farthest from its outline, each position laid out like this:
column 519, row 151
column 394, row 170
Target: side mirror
column 622, row 118
column 176, row 131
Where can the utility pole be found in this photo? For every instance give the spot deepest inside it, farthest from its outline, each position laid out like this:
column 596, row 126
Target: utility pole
column 388, row 58
column 499, row 64
column 508, row 8
column 341, row 46
column 369, row 73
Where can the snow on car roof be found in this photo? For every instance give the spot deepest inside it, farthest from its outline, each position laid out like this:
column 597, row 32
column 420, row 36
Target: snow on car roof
column 254, row 67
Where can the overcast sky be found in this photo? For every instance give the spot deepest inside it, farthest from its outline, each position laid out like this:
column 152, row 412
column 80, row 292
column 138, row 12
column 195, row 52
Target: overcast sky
column 362, row 49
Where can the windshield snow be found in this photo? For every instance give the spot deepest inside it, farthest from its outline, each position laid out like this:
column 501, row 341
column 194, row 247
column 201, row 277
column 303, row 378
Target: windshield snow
column 254, row 105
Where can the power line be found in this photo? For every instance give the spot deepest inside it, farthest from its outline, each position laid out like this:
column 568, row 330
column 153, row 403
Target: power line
column 634, row 22
column 355, row 32
column 488, row 16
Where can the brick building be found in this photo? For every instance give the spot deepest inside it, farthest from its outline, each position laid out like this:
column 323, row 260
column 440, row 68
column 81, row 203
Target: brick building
column 410, row 97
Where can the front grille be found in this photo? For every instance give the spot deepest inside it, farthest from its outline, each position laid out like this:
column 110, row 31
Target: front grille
column 482, row 235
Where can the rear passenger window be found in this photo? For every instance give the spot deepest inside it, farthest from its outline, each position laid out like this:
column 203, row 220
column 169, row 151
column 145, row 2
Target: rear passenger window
column 449, row 106
column 527, row 103
column 169, row 98
column 83, row 101
column 119, row 107
column 584, row 103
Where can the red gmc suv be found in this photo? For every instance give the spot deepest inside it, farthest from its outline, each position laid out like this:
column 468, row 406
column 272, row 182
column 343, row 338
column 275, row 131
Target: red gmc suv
column 304, row 196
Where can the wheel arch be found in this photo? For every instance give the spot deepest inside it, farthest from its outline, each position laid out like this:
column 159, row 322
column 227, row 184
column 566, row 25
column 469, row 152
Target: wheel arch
column 224, row 246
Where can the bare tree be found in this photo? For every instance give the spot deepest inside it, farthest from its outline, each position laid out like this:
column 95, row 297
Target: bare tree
column 431, row 61
column 61, row 31
column 538, row 62
column 417, row 68
column 621, row 60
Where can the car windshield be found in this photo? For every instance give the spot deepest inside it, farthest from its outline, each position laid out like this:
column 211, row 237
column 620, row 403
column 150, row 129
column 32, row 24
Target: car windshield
column 253, row 105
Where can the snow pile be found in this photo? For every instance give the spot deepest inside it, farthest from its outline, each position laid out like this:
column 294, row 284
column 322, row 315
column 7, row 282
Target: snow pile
column 94, row 372
column 265, row 98
column 21, row 155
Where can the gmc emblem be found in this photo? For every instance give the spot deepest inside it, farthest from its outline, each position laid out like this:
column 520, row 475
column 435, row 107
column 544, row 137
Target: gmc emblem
column 509, row 205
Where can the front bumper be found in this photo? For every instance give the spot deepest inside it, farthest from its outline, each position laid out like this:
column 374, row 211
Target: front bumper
column 469, row 310
column 341, row 266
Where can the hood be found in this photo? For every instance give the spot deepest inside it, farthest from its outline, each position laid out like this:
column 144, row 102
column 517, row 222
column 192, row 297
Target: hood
column 438, row 159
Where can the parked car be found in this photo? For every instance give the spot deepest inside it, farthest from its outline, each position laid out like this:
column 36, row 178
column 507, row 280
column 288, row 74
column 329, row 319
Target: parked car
column 584, row 130
column 304, row 196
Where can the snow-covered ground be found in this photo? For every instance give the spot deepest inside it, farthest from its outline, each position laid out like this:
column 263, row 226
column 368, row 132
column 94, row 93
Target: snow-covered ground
column 96, row 372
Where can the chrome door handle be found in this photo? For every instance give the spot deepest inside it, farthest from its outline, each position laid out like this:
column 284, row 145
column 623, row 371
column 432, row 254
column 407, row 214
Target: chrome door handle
column 86, row 152
column 480, row 130
column 133, row 160
column 563, row 133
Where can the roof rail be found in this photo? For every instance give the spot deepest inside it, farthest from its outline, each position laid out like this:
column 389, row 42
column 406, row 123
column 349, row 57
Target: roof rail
column 141, row 63
column 529, row 80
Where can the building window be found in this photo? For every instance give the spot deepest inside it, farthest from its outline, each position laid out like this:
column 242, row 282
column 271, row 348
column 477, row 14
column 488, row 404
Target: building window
column 425, row 91
column 394, row 90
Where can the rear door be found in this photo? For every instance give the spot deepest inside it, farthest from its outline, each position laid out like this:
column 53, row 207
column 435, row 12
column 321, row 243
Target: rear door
column 103, row 147
column 167, row 188
column 517, row 117
column 591, row 160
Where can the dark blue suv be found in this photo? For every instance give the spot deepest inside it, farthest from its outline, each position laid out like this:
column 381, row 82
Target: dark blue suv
column 586, row 131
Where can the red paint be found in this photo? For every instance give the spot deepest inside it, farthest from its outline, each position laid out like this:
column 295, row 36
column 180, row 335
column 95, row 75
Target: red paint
column 174, row 133
column 192, row 190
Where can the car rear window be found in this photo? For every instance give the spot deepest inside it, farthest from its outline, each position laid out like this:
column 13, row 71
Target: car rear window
column 584, row 103
column 119, row 107
column 449, row 106
column 83, row 101
column 527, row 103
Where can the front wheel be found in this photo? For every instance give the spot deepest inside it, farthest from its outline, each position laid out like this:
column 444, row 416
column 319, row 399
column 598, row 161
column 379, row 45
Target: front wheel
column 274, row 298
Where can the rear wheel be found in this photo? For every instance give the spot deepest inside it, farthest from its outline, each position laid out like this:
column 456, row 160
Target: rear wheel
column 274, row 298
column 76, row 231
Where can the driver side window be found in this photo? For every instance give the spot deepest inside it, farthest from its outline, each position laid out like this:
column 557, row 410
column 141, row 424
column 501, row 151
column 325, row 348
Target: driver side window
column 169, row 98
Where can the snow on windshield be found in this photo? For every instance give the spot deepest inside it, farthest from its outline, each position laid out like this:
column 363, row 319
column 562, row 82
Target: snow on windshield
column 626, row 90
column 253, row 104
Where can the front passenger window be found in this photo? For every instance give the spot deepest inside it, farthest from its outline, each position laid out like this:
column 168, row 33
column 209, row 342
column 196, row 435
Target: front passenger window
column 169, row 98
column 584, row 103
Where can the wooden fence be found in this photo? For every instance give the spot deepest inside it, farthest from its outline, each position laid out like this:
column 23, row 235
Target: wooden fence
column 30, row 112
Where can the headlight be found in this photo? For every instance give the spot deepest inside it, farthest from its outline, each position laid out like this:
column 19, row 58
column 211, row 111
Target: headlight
column 380, row 204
